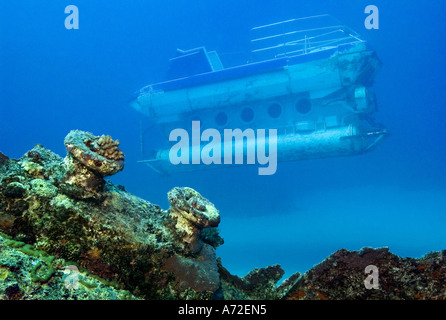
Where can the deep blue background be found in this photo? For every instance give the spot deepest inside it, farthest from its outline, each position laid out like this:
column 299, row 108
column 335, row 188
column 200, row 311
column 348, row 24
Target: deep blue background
column 53, row 80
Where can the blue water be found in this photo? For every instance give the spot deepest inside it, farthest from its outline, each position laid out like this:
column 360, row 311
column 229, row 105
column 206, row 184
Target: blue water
column 53, row 80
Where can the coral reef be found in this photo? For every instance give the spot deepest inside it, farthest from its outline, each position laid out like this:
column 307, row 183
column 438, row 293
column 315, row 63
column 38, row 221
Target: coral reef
column 26, row 273
column 259, row 284
column 341, row 277
column 58, row 215
column 66, row 209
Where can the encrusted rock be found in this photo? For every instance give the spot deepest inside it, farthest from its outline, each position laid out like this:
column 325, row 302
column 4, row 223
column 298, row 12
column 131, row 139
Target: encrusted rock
column 99, row 154
column 342, row 276
column 211, row 236
column 14, row 190
column 47, row 218
column 3, row 159
column 33, row 169
column 45, row 203
column 89, row 160
column 259, row 284
column 192, row 211
column 43, row 188
column 28, row 274
column 200, row 273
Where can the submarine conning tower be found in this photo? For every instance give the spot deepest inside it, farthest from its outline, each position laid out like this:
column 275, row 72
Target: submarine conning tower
column 309, row 78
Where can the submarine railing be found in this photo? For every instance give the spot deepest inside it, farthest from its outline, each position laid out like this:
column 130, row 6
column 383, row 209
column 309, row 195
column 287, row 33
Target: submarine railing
column 319, row 33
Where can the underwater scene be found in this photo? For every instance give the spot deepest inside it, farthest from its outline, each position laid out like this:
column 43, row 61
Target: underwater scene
column 222, row 150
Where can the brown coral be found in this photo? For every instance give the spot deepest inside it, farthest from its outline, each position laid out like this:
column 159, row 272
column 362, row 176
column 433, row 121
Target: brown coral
column 99, row 154
column 109, row 148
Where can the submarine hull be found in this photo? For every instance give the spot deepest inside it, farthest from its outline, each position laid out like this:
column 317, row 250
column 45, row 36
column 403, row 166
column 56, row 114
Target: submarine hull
column 330, row 71
column 334, row 142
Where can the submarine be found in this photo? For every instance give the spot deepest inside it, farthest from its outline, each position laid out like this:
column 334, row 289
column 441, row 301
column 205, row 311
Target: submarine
column 309, row 79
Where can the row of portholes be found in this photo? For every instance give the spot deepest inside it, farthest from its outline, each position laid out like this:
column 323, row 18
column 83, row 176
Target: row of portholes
column 303, row 106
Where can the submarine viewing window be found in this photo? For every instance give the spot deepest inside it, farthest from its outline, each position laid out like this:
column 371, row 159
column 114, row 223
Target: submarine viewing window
column 274, row 110
column 247, row 115
column 221, row 118
column 303, row 106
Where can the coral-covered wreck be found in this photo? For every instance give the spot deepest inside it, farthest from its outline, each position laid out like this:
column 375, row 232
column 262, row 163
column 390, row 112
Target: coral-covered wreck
column 59, row 215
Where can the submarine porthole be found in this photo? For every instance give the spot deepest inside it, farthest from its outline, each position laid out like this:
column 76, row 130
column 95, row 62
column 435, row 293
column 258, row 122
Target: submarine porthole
column 221, row 118
column 275, row 110
column 247, row 114
column 303, row 106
